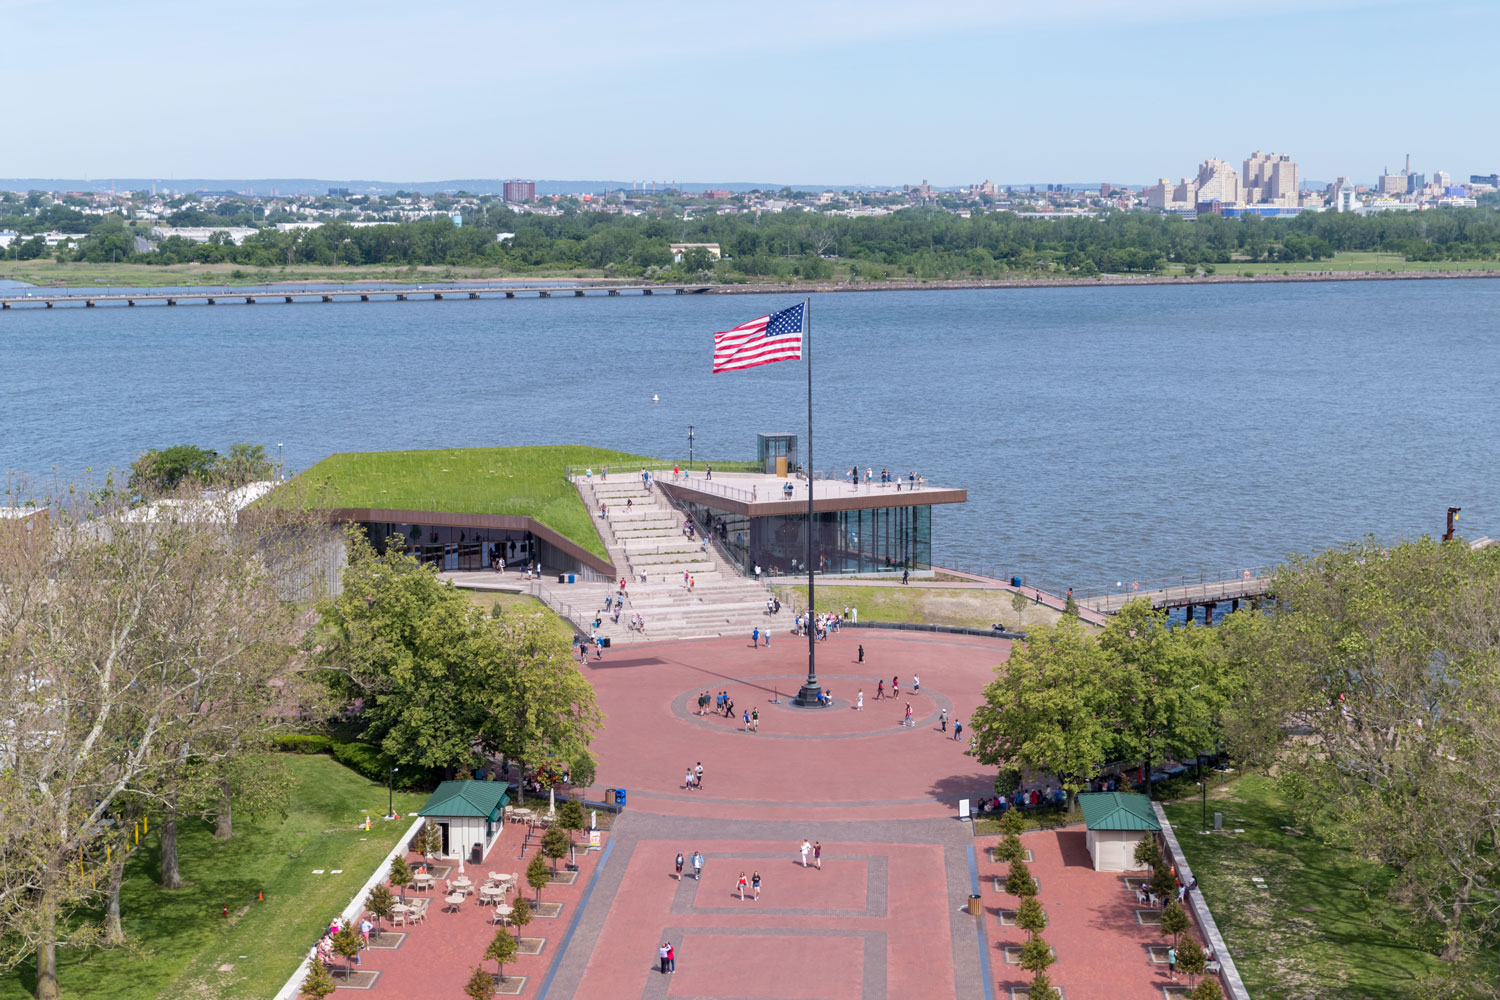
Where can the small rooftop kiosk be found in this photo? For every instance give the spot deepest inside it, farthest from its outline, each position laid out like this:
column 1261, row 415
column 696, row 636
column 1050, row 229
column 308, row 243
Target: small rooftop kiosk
column 469, row 814
column 1116, row 822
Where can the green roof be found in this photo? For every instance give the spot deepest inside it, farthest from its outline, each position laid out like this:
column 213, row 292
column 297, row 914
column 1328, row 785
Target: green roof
column 1117, row 811
column 484, row 799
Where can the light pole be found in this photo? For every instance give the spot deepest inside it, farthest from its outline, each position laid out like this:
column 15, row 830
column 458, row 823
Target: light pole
column 280, row 465
column 690, row 446
column 390, row 794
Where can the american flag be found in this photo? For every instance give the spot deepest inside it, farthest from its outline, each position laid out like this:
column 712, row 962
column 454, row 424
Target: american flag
column 777, row 337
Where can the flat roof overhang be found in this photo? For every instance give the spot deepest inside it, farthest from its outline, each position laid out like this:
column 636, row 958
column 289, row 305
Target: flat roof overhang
column 492, row 522
column 823, row 501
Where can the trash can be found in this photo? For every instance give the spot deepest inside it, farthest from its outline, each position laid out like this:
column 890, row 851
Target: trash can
column 476, row 854
column 975, row 907
column 619, row 796
column 562, row 578
column 1015, row 581
column 570, row 578
column 604, row 641
column 609, row 795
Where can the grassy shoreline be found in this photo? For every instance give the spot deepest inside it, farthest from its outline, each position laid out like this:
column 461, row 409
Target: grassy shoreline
column 1343, row 267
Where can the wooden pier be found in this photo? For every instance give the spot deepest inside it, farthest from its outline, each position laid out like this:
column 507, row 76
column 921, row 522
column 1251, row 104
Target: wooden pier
column 1207, row 595
column 41, row 299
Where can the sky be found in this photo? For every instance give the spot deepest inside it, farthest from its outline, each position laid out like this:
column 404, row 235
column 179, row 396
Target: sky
column 868, row 92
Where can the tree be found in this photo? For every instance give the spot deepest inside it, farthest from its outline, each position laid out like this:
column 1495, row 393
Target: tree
column 245, row 463
column 401, row 875
column 1147, row 852
column 555, row 844
column 520, row 914
column 432, row 840
column 1036, row 955
column 1174, row 922
column 1190, row 958
column 1163, row 882
column 346, row 945
column 481, row 985
column 1050, row 707
column 1010, row 849
column 318, row 983
column 1029, row 916
column 502, row 949
column 570, row 816
column 162, row 471
column 1018, row 882
column 538, row 875
column 1019, row 602
column 1041, row 988
column 137, row 652
column 1208, row 989
column 1070, row 608
column 380, row 903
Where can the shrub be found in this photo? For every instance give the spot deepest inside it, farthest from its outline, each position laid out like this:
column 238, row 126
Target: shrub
column 302, row 743
column 318, row 983
column 481, row 985
column 1207, row 990
column 1010, row 849
column 1041, row 988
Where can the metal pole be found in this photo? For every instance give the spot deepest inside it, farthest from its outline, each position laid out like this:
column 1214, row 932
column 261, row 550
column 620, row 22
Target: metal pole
column 690, row 446
column 810, row 690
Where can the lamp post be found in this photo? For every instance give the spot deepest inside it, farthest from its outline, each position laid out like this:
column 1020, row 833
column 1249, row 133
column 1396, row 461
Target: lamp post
column 390, row 794
column 690, row 446
column 280, row 465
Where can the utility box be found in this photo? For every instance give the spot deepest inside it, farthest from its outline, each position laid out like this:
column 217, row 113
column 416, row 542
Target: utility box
column 776, row 454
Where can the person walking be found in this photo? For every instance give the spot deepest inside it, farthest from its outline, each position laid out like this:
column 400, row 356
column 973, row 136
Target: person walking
column 687, row 780
column 859, row 703
column 861, row 652
column 896, row 687
column 755, row 720
column 958, row 727
column 818, row 854
column 697, row 866
column 765, row 638
column 747, row 722
column 755, row 638
column 908, row 721
column 879, row 690
column 943, row 720
column 806, row 848
column 755, row 885
column 1172, row 963
column 743, row 883
column 905, row 577
column 680, row 862
column 916, row 684
column 698, row 776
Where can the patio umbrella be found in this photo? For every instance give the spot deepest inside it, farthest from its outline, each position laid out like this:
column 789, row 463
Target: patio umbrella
column 552, row 800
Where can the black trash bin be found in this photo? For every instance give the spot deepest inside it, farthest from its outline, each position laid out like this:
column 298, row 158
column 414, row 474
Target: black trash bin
column 619, row 796
column 476, row 854
column 562, row 578
column 604, row 641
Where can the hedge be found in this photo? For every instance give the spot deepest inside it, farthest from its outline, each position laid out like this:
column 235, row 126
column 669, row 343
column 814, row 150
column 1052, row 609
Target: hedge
column 362, row 758
column 303, row 743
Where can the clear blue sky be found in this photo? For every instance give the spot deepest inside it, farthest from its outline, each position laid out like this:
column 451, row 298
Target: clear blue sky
column 838, row 92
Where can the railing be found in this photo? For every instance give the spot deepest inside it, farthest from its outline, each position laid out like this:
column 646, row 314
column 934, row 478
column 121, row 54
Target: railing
column 708, row 536
column 582, row 621
column 1207, row 584
column 702, row 484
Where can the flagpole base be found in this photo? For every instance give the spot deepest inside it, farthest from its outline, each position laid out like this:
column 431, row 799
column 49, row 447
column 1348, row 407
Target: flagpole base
column 807, row 697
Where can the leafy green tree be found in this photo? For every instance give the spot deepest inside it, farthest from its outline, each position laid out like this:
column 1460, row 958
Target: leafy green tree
column 481, row 985
column 502, row 948
column 1208, row 989
column 1070, row 608
column 380, row 903
column 1191, row 959
column 1163, row 882
column 432, row 839
column 1018, row 882
column 1011, row 822
column 1029, row 916
column 346, row 945
column 1019, row 602
column 318, row 983
column 163, row 471
column 1147, row 852
column 1010, row 849
column 1036, row 955
column 245, row 463
column 570, row 816
column 401, row 875
column 555, row 844
column 1041, row 988
column 538, row 875
column 1050, row 707
column 1174, row 922
column 520, row 914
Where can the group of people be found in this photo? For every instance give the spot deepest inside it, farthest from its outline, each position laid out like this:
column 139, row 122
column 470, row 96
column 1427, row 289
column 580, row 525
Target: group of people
column 723, row 704
column 693, row 779
column 821, row 624
column 323, row 950
column 773, row 605
column 913, row 481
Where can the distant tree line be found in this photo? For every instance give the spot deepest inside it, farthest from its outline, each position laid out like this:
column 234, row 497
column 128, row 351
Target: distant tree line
column 913, row 243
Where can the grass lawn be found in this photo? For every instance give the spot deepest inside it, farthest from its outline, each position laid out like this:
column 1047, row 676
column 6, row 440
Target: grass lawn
column 507, row 602
column 523, row 481
column 923, row 605
column 179, row 940
column 1352, row 261
column 1320, row 928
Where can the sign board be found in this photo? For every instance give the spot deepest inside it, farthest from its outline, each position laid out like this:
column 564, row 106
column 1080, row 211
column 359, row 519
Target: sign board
column 963, row 808
column 593, row 838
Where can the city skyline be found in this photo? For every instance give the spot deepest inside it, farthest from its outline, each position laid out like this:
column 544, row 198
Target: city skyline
column 834, row 93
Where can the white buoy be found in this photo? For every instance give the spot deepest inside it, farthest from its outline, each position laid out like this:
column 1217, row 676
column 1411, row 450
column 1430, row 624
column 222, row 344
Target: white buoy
column 655, row 398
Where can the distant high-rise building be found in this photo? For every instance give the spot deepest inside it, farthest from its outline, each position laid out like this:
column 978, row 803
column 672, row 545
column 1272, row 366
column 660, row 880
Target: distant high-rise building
column 519, row 192
column 1270, row 179
column 339, row 192
column 1442, row 178
column 1217, row 181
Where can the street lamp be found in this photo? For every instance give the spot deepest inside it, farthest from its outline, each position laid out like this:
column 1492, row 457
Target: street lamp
column 390, row 794
column 690, row 446
column 280, row 466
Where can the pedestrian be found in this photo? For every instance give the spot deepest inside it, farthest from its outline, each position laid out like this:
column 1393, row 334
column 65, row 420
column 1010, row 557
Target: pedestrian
column 671, row 958
column 854, row 615
column 755, row 884
column 364, row 931
column 755, row 720
column 697, row 867
column 742, row 885
column 879, row 690
column 895, row 687
column 698, row 776
column 661, row 953
column 958, row 727
column 755, row 638
column 818, row 854
column 680, row 862
column 1172, row 963
column 859, row 704
column 861, row 652
column 765, row 638
column 916, row 684
column 806, row 847
column 687, row 780
column 747, row 722
column 905, row 577
column 908, row 721
column 943, row 720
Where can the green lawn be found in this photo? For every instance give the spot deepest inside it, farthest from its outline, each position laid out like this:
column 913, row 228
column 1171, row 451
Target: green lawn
column 1352, row 261
column 922, row 605
column 1321, row 928
column 178, row 940
column 508, row 602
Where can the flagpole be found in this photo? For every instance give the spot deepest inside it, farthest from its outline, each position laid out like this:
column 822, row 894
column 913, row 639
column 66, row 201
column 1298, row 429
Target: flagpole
column 808, row 696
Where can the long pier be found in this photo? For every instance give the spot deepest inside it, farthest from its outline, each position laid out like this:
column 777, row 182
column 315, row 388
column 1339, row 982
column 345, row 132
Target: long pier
column 370, row 293
column 1190, row 596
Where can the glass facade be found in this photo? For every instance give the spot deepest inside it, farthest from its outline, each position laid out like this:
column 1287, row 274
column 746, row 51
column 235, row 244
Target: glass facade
column 886, row 539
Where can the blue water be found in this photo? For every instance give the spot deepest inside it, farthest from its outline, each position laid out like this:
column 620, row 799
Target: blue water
column 1103, row 434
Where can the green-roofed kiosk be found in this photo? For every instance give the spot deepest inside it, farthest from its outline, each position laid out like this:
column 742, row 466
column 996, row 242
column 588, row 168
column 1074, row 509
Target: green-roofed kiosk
column 469, row 813
column 1116, row 822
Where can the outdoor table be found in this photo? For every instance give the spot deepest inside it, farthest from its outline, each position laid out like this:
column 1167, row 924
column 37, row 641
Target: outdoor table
column 463, row 881
column 491, row 892
column 504, row 910
column 401, row 908
column 456, row 900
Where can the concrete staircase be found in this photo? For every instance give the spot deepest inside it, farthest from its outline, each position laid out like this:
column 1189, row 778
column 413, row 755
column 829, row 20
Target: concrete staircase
column 644, row 535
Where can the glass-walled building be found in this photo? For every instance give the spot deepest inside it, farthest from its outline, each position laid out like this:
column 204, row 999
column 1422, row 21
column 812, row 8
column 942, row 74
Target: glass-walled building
column 857, row 529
